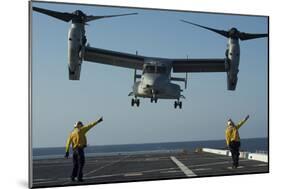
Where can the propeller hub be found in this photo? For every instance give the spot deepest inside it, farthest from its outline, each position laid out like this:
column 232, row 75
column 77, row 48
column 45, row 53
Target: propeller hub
column 79, row 17
column 234, row 33
column 79, row 13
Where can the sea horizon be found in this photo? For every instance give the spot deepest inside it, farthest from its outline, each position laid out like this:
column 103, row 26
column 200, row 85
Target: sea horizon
column 247, row 144
column 151, row 142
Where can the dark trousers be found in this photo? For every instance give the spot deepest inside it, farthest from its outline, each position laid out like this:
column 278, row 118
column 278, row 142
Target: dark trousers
column 234, row 149
column 78, row 163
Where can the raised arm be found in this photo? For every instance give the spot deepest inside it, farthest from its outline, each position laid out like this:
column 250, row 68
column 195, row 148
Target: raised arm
column 242, row 122
column 85, row 129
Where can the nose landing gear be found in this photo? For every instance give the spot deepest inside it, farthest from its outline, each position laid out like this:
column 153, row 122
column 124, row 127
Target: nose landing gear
column 153, row 100
column 135, row 101
column 178, row 104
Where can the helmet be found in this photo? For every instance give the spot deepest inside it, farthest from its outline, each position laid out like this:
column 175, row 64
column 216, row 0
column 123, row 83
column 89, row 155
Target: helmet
column 78, row 123
column 230, row 122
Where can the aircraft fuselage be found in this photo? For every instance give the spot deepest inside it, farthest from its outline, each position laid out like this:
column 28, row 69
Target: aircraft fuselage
column 155, row 82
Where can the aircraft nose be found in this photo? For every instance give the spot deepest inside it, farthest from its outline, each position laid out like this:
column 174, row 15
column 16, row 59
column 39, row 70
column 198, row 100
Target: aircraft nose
column 154, row 82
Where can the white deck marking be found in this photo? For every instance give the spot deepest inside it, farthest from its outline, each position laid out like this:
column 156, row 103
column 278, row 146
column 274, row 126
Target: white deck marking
column 102, row 167
column 184, row 169
column 151, row 159
column 215, row 163
column 168, row 172
column 133, row 174
column 202, row 169
column 106, row 165
column 239, row 167
column 260, row 165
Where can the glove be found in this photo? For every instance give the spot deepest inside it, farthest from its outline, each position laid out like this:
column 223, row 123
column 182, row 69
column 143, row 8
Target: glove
column 100, row 120
column 66, row 155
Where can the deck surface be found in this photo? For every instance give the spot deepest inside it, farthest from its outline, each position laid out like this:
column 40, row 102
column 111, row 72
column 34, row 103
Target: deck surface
column 126, row 168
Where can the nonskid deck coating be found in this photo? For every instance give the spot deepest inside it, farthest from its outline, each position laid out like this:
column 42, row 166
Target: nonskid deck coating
column 126, row 168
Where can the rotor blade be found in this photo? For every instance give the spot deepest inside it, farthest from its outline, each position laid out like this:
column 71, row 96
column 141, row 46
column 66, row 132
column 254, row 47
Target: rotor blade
column 221, row 32
column 248, row 36
column 91, row 18
column 64, row 16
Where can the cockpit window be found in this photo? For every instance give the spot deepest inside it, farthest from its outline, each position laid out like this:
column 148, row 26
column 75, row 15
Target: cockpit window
column 155, row 69
column 149, row 69
column 161, row 69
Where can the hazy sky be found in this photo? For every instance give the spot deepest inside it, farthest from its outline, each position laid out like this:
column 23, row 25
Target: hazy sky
column 58, row 103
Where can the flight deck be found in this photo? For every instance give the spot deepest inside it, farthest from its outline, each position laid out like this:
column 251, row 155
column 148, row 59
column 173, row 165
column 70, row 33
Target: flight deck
column 151, row 166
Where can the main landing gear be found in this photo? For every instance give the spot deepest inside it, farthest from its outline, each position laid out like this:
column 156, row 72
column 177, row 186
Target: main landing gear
column 135, row 101
column 178, row 104
column 153, row 100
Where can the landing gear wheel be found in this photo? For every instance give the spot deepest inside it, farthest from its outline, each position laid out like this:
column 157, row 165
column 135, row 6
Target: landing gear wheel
column 135, row 101
column 70, row 72
column 178, row 103
column 175, row 104
column 153, row 99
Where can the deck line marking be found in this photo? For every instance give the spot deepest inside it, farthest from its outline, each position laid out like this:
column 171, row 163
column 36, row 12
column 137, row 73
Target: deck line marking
column 184, row 169
column 168, row 172
column 102, row 167
column 130, row 173
column 133, row 174
column 215, row 163
column 260, row 165
column 239, row 167
column 202, row 169
column 106, row 165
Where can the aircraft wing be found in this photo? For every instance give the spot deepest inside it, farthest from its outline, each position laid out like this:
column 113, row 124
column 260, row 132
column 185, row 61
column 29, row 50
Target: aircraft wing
column 113, row 58
column 199, row 65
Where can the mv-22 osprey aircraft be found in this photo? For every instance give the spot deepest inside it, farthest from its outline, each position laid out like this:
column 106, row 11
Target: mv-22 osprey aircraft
column 155, row 80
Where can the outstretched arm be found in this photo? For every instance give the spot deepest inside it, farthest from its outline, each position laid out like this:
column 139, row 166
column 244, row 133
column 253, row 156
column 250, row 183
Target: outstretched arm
column 242, row 122
column 68, row 142
column 91, row 125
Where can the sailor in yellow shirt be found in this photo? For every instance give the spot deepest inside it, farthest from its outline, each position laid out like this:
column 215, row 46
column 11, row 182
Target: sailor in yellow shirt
column 77, row 139
column 233, row 140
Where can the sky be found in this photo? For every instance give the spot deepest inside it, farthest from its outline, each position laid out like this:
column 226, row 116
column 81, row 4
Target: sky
column 57, row 103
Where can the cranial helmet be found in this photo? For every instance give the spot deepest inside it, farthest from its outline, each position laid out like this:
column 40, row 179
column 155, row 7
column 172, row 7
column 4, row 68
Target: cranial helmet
column 229, row 122
column 78, row 123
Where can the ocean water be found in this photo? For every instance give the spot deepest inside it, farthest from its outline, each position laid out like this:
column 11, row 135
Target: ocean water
column 249, row 145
